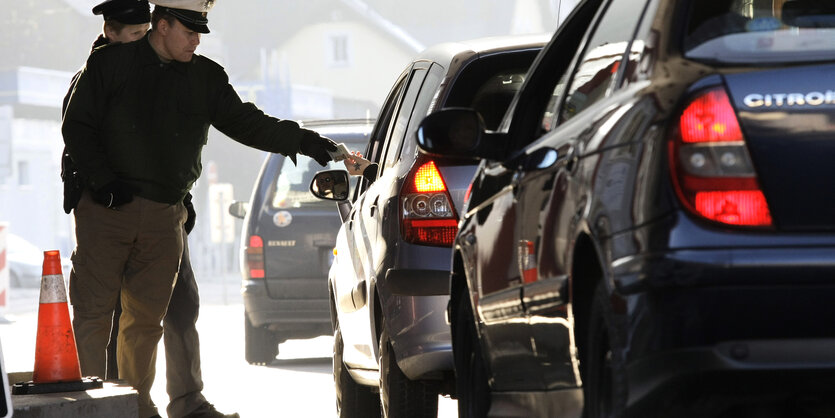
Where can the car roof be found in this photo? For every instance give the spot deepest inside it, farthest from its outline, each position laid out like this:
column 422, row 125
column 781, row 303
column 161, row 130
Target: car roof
column 341, row 129
column 448, row 51
column 19, row 245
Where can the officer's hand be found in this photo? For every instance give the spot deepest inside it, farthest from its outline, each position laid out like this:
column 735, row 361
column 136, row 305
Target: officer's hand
column 316, row 146
column 114, row 194
column 192, row 215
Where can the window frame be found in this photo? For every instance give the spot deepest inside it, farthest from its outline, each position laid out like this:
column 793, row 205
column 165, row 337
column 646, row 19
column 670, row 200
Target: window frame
column 403, row 115
column 528, row 106
column 622, row 63
column 373, row 150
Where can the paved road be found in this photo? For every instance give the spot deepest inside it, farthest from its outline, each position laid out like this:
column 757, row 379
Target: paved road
column 298, row 383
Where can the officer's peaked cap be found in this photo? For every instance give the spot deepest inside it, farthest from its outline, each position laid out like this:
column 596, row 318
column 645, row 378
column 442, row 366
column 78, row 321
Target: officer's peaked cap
column 129, row 12
column 191, row 13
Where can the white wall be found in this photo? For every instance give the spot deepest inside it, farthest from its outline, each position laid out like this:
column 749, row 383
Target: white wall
column 306, row 58
column 31, row 201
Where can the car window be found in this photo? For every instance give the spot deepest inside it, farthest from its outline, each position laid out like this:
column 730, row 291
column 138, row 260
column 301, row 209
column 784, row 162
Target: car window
column 598, row 67
column 536, row 103
column 403, row 114
column 291, row 186
column 488, row 84
column 424, row 102
column 755, row 31
column 375, row 144
column 392, row 106
column 549, row 117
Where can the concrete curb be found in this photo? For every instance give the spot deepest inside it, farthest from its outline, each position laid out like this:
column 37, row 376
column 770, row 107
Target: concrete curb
column 114, row 400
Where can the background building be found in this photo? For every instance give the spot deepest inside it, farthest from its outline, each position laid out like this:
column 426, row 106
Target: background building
column 317, row 59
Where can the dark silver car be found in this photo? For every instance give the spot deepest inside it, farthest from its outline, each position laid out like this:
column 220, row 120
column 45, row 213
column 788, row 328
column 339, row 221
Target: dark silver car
column 389, row 283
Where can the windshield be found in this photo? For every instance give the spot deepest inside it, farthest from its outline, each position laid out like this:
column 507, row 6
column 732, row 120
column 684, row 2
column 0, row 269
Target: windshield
column 761, row 31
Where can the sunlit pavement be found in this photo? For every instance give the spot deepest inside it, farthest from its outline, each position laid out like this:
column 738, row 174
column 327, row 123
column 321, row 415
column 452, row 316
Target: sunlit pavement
column 298, row 383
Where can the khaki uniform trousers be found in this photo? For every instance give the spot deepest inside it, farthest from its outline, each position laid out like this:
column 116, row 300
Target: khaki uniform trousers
column 184, row 379
column 132, row 253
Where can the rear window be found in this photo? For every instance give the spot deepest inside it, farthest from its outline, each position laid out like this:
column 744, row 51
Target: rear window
column 760, row 31
column 291, row 188
column 488, row 84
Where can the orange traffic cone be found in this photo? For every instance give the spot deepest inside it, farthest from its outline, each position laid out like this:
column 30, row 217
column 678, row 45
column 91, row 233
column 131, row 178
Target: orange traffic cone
column 56, row 358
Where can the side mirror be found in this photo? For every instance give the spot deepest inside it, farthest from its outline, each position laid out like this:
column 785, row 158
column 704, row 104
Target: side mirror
column 239, row 209
column 455, row 132
column 330, row 185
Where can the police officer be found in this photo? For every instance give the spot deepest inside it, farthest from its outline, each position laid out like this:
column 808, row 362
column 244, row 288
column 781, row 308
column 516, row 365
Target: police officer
column 124, row 21
column 128, row 21
column 135, row 125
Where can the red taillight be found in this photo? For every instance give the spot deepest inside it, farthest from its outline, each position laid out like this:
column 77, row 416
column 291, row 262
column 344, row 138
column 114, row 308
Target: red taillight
column 712, row 170
column 427, row 214
column 736, row 207
column 710, row 118
column 428, row 179
column 255, row 257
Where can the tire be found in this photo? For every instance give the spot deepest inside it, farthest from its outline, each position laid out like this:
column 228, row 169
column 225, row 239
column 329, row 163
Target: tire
column 471, row 374
column 604, row 376
column 261, row 344
column 400, row 396
column 352, row 399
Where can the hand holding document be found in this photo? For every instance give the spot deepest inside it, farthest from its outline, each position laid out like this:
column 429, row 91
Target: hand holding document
column 357, row 165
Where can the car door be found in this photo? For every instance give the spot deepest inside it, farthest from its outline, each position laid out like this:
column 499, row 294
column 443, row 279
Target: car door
column 580, row 113
column 371, row 212
column 491, row 237
column 488, row 236
column 350, row 284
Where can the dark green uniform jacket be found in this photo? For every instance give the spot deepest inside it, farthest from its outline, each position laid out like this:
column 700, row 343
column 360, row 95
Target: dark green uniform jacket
column 134, row 118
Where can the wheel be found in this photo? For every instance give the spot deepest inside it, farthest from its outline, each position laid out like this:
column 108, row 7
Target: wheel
column 470, row 371
column 352, row 399
column 261, row 344
column 400, row 396
column 604, row 375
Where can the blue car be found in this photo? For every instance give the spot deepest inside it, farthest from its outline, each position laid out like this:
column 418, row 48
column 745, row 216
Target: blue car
column 651, row 232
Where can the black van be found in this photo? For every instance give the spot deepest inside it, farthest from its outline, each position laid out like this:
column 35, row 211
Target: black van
column 287, row 247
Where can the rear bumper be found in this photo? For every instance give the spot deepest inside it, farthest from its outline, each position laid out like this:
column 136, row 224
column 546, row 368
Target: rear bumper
column 726, row 266
column 295, row 317
column 727, row 324
column 732, row 373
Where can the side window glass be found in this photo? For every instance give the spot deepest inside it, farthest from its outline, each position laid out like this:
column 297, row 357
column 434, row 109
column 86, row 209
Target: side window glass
column 549, row 117
column 424, row 101
column 598, row 68
column 403, row 114
column 643, row 50
column 488, row 84
column 375, row 144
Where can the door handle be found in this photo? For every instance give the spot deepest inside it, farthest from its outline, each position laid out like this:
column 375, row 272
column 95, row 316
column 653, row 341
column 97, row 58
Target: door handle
column 571, row 155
